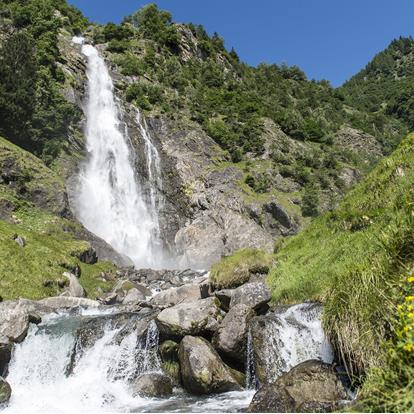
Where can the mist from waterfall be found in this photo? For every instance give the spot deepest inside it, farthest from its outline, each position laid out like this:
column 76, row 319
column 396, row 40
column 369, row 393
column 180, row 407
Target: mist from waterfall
column 111, row 203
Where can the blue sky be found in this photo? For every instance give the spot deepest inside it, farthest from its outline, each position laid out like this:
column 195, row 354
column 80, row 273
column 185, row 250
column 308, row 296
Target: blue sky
column 328, row 39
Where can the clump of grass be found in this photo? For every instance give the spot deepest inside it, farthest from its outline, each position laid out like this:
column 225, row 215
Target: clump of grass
column 352, row 259
column 234, row 270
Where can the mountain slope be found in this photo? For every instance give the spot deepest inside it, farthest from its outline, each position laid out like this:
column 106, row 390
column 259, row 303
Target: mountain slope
column 386, row 85
column 359, row 260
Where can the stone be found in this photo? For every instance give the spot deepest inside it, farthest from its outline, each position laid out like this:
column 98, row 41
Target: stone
column 173, row 296
column 62, row 302
column 20, row 240
column 190, row 318
column 202, row 370
column 14, row 321
column 133, row 296
column 312, row 386
column 152, row 384
column 224, row 297
column 230, row 339
column 5, row 391
column 5, row 355
column 255, row 295
column 169, row 350
column 75, row 289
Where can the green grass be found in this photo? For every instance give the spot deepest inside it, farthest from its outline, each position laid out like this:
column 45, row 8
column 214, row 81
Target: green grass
column 51, row 245
column 234, row 270
column 354, row 259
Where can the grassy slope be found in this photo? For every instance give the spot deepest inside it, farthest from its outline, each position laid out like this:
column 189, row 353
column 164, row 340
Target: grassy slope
column 51, row 246
column 356, row 259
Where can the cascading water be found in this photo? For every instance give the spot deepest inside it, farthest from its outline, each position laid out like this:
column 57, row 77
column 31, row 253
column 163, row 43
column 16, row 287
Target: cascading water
column 251, row 380
column 110, row 201
column 101, row 377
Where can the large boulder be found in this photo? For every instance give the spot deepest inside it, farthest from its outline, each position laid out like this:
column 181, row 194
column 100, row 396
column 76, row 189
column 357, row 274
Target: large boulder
column 152, row 384
column 190, row 318
column 311, row 386
column 133, row 296
column 14, row 321
column 173, row 296
column 231, row 336
column 256, row 295
column 5, row 391
column 202, row 370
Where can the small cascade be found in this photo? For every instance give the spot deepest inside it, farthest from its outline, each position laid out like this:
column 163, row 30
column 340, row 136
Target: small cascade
column 251, row 380
column 151, row 361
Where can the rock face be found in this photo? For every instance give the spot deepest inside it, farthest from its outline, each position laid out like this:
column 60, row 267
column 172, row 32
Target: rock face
column 202, row 370
column 152, row 385
column 256, row 295
column 5, row 391
column 190, row 318
column 311, row 386
column 231, row 336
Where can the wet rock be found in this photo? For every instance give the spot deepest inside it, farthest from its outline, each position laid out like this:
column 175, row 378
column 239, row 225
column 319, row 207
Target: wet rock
column 255, row 295
column 311, row 386
column 5, row 391
column 75, row 289
column 169, row 350
column 202, row 370
column 152, row 385
column 231, row 336
column 190, row 318
column 5, row 355
column 173, row 296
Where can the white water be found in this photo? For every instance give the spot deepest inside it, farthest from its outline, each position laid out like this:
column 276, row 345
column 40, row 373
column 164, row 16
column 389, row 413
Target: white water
column 100, row 381
column 111, row 202
column 294, row 335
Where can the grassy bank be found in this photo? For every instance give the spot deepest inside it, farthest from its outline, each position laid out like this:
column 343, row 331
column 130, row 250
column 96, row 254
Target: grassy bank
column 51, row 247
column 358, row 260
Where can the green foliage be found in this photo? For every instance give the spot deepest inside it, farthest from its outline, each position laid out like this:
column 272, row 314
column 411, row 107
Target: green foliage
column 310, row 201
column 234, row 270
column 352, row 259
column 33, row 112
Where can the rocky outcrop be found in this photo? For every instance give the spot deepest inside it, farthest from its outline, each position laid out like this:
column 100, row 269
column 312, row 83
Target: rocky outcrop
column 202, row 370
column 231, row 336
column 190, row 318
column 14, row 320
column 152, row 385
column 5, row 355
column 311, row 386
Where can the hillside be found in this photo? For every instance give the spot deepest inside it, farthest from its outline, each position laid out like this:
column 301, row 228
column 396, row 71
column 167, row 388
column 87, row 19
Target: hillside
column 386, row 85
column 358, row 260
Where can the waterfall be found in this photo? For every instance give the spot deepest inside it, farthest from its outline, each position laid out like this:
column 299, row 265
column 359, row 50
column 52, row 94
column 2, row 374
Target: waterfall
column 110, row 200
column 151, row 361
column 251, row 380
